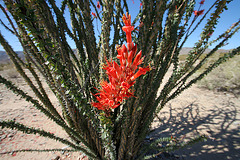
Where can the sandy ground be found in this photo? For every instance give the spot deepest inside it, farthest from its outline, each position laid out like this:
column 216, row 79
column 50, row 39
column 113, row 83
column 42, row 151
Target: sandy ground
column 196, row 111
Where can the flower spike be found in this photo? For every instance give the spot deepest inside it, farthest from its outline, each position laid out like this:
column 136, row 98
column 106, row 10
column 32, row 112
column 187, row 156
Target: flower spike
column 121, row 77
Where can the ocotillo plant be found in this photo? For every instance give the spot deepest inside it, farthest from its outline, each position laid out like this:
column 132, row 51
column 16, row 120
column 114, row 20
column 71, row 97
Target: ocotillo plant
column 109, row 95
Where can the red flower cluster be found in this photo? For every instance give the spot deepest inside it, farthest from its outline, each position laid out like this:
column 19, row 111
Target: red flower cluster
column 121, row 77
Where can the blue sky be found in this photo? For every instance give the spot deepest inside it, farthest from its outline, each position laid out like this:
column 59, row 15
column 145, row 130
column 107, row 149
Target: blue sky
column 227, row 19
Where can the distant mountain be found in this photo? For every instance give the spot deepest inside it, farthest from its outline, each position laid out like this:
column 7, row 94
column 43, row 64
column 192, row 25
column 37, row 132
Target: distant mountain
column 5, row 59
column 186, row 50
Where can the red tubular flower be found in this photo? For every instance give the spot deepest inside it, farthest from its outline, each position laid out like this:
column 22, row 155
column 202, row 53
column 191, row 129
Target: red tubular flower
column 136, row 61
column 94, row 14
column 198, row 13
column 201, row 12
column 124, row 52
column 98, row 5
column 195, row 12
column 118, row 69
column 202, row 1
column 121, row 77
column 112, row 72
column 130, row 57
column 140, row 72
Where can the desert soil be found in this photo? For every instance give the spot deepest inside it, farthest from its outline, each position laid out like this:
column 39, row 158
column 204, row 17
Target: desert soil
column 196, row 111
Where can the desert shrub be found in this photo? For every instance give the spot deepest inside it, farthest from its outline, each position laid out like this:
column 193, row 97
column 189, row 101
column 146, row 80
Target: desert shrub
column 6, row 66
column 109, row 94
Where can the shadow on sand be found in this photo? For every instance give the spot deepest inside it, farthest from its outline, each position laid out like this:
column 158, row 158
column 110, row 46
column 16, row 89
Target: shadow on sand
column 222, row 124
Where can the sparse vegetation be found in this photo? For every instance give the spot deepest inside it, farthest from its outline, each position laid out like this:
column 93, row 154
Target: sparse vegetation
column 226, row 77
